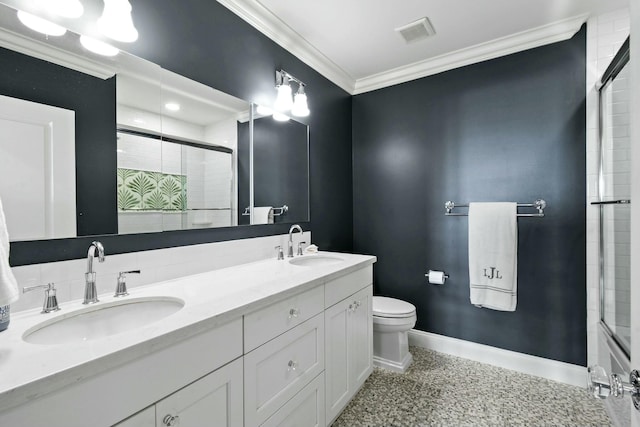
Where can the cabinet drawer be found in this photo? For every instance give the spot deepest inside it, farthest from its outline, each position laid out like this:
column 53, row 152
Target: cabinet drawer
column 277, row 370
column 269, row 322
column 305, row 409
column 340, row 288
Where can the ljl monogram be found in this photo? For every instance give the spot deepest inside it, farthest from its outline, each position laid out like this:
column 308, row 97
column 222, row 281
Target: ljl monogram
column 495, row 273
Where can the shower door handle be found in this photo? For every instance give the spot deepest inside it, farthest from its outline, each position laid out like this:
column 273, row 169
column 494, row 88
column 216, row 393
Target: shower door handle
column 613, row 202
column 602, row 386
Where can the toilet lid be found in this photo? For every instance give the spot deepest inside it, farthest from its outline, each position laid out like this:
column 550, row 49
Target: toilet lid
column 391, row 307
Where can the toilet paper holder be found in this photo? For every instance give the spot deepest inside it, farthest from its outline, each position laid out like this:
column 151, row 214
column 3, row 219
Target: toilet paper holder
column 445, row 276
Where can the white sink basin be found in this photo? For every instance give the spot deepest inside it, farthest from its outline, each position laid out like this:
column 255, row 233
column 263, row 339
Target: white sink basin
column 102, row 320
column 315, row 260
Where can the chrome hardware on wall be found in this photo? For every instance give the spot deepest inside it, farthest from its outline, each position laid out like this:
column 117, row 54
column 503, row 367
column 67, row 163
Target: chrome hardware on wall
column 539, row 204
column 50, row 299
column 121, row 287
column 602, row 386
column 276, row 211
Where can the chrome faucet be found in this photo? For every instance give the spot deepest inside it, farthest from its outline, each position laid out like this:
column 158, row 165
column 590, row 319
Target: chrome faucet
column 90, row 292
column 291, row 230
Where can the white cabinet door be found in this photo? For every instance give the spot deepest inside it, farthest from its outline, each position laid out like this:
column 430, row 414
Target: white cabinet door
column 214, row 400
column 277, row 371
column 305, row 409
column 349, row 349
column 337, row 358
column 360, row 339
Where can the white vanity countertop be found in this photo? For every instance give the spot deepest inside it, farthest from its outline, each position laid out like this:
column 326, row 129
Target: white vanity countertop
column 28, row 371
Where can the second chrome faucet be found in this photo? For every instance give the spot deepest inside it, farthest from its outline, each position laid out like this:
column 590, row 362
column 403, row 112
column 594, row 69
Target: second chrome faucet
column 90, row 292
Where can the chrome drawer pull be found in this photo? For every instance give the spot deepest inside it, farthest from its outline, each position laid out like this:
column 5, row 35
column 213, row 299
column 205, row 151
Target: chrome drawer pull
column 292, row 365
column 294, row 312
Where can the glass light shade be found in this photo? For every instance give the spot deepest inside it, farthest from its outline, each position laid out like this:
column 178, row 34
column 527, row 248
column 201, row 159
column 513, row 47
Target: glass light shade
column 99, row 47
column 41, row 25
column 116, row 21
column 284, row 102
column 64, row 8
column 280, row 117
column 300, row 107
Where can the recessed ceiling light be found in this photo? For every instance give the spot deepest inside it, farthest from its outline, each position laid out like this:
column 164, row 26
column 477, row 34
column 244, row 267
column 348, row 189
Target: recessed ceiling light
column 172, row 106
column 99, row 47
column 41, row 25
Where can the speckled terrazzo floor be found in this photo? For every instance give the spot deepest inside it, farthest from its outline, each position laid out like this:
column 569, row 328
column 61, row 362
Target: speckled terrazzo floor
column 443, row 390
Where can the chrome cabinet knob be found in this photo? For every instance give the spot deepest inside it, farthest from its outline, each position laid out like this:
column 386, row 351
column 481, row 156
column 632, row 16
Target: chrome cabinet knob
column 292, row 365
column 171, row 420
column 294, row 312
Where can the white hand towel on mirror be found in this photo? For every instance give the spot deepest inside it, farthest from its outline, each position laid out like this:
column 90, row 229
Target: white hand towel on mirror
column 493, row 255
column 263, row 215
column 9, row 292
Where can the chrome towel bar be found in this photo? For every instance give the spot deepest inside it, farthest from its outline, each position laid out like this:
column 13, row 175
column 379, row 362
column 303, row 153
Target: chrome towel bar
column 539, row 204
column 276, row 211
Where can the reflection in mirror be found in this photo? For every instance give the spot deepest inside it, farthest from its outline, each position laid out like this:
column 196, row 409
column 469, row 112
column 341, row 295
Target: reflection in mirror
column 280, row 171
column 207, row 136
column 176, row 165
column 37, row 189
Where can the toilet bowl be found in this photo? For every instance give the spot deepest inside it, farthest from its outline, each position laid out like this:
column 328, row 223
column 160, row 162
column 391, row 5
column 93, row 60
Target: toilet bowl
column 392, row 319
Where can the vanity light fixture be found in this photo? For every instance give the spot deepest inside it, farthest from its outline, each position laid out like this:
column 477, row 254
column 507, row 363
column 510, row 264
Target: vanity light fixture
column 41, row 25
column 300, row 107
column 99, row 47
column 116, row 21
column 264, row 111
column 64, row 8
column 284, row 101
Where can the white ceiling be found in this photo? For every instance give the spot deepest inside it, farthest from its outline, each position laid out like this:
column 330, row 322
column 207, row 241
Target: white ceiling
column 353, row 42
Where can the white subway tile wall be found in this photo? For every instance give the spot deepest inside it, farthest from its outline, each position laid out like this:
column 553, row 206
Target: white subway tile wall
column 155, row 266
column 605, row 35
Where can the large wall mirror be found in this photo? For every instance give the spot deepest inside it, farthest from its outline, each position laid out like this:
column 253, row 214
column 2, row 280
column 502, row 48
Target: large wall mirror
column 95, row 145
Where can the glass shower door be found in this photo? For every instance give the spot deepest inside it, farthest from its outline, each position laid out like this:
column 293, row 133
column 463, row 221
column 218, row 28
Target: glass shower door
column 615, row 189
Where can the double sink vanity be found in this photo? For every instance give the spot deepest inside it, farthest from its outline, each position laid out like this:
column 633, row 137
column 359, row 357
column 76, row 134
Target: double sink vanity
column 274, row 342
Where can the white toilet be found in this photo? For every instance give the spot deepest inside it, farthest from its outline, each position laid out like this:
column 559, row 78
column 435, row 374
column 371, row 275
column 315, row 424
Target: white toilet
column 392, row 319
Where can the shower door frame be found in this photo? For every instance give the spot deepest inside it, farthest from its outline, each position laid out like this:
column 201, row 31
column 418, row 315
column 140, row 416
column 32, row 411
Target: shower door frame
column 621, row 59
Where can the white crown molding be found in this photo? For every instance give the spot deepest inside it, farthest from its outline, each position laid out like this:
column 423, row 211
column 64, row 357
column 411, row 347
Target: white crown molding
column 554, row 370
column 540, row 36
column 273, row 27
column 46, row 52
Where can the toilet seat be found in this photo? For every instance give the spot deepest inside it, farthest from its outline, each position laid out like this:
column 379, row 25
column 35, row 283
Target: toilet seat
column 392, row 308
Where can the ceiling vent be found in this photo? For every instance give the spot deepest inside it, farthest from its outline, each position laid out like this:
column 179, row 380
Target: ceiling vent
column 417, row 30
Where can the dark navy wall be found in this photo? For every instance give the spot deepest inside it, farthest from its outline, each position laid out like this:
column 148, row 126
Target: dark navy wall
column 280, row 168
column 509, row 129
column 204, row 41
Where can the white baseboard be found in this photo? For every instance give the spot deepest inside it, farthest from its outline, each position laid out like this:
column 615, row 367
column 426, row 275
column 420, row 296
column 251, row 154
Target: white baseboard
column 566, row 373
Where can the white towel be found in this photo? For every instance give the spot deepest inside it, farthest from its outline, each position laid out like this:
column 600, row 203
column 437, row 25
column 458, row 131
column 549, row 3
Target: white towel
column 263, row 215
column 8, row 285
column 493, row 255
